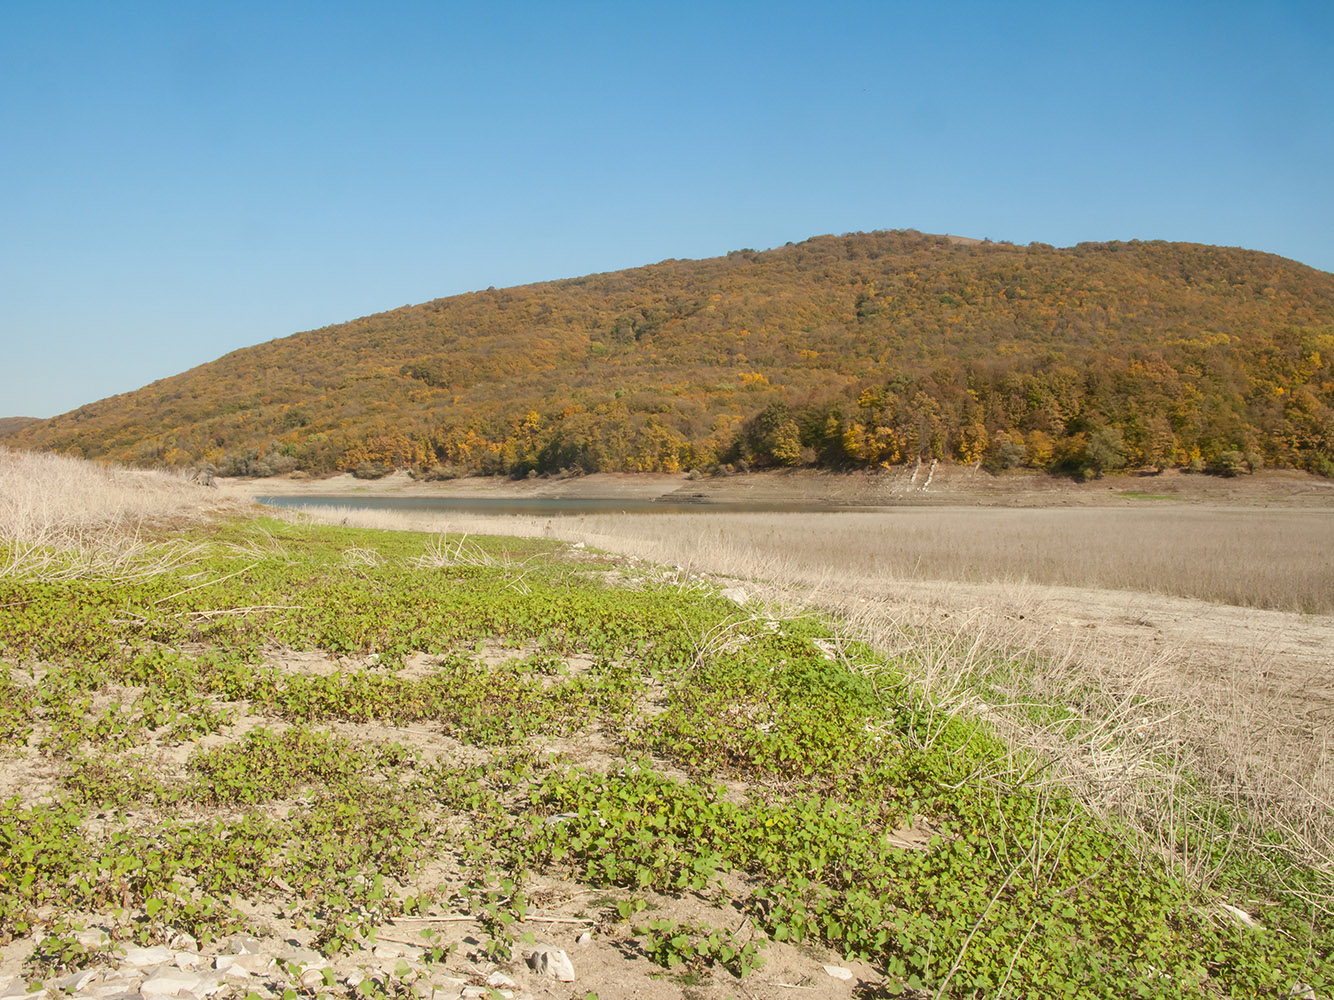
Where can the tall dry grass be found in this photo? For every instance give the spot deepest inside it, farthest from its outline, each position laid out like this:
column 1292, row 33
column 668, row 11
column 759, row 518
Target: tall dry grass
column 63, row 517
column 1265, row 559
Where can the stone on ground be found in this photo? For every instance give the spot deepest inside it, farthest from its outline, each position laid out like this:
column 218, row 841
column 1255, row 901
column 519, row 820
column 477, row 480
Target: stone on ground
column 548, row 960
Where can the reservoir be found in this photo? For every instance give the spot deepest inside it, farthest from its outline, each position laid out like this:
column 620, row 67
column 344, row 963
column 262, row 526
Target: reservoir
column 549, row 506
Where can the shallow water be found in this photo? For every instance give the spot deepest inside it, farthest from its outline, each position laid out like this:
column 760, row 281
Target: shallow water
column 547, row 506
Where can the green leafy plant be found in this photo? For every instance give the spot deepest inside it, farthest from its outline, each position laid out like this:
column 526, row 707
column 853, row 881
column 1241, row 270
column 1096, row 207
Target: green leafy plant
column 696, row 946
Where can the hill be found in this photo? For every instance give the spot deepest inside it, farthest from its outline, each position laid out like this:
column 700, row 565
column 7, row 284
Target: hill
column 841, row 351
column 11, row 425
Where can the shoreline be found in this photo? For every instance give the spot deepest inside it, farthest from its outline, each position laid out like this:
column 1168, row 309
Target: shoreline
column 899, row 487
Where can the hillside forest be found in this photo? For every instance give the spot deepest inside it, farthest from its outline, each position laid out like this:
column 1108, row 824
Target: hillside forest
column 843, row 352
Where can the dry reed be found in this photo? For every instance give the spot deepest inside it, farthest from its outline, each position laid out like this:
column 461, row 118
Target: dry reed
column 62, row 517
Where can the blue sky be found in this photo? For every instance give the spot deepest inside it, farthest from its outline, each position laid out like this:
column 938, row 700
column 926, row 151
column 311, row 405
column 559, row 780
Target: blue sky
column 182, row 179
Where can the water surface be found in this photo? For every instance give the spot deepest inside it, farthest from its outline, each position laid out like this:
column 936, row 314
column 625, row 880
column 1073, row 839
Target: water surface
column 547, row 506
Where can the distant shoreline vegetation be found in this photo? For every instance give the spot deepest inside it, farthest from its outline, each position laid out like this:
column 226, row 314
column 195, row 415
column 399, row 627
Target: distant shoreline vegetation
column 853, row 352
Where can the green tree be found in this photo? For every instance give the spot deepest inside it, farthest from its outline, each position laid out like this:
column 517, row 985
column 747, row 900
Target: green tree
column 773, row 437
column 1106, row 450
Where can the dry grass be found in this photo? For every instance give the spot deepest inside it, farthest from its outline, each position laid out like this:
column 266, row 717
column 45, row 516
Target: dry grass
column 1264, row 559
column 1129, row 728
column 63, row 517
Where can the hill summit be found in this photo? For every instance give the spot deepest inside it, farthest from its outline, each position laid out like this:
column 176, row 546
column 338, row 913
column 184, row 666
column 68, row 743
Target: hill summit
column 849, row 351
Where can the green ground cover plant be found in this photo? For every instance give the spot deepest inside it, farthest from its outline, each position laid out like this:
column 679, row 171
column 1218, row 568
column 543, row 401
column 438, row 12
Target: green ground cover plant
column 492, row 718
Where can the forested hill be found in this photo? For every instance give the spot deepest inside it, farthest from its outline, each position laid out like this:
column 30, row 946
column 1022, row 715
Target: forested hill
column 844, row 351
column 9, row 425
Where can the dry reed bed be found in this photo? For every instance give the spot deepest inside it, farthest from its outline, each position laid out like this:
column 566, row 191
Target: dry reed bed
column 1275, row 559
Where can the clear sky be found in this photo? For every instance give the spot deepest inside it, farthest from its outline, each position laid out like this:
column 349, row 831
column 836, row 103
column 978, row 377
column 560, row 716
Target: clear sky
column 178, row 180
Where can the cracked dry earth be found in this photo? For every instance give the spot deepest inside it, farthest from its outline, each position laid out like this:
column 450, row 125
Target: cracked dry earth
column 440, row 952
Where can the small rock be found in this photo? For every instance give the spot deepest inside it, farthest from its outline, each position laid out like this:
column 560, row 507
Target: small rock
column 838, row 972
column 1302, row 991
column 311, row 977
column 147, row 956
column 578, row 545
column 475, row 991
column 500, row 981
column 208, row 985
column 244, row 944
column 227, row 965
column 354, row 979
column 184, row 942
column 93, row 938
column 76, row 981
column 14, row 987
column 106, row 991
column 188, row 959
column 169, row 981
column 585, row 939
column 735, row 594
column 247, row 964
column 548, row 960
column 301, row 956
